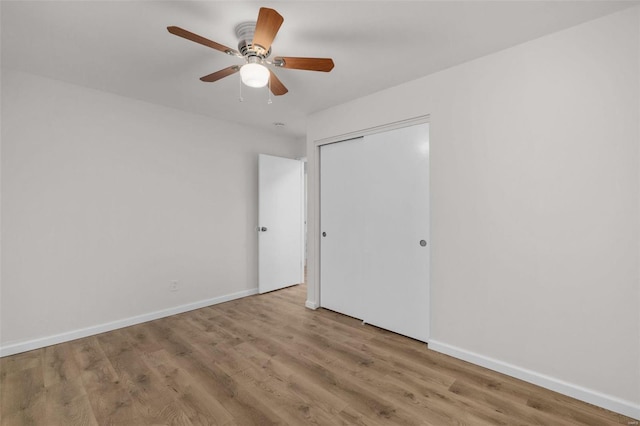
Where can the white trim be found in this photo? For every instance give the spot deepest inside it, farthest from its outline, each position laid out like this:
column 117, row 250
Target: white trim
column 29, row 345
column 303, row 221
column 311, row 305
column 372, row 130
column 591, row 396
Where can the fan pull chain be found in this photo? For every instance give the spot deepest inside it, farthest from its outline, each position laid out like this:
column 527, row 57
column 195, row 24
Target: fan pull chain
column 240, row 98
column 269, row 101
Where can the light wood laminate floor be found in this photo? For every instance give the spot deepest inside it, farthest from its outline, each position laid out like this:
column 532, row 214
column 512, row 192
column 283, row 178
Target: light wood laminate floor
column 266, row 360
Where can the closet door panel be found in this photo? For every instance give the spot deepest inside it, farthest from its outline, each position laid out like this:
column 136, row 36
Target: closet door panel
column 342, row 184
column 396, row 272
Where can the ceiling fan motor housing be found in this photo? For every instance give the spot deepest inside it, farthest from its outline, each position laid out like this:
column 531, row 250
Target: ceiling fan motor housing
column 245, row 32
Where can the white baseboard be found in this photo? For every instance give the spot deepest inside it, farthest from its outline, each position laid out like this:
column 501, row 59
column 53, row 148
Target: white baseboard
column 12, row 348
column 311, row 305
column 609, row 402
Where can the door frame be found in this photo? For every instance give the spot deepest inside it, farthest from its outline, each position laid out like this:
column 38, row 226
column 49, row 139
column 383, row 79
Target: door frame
column 313, row 194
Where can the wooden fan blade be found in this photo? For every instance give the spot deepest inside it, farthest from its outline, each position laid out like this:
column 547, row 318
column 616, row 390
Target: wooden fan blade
column 201, row 40
column 267, row 26
column 276, row 86
column 310, row 64
column 220, row 74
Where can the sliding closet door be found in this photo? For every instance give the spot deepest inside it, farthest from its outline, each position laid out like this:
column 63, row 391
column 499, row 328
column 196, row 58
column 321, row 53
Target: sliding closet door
column 375, row 213
column 343, row 204
column 397, row 274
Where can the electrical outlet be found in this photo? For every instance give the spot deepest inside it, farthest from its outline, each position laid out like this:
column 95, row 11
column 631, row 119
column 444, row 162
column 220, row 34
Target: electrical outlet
column 173, row 286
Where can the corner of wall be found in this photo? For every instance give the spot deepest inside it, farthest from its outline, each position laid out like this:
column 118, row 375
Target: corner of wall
column 637, row 9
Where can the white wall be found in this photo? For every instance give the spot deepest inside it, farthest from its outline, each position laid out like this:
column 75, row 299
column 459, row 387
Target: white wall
column 535, row 206
column 106, row 200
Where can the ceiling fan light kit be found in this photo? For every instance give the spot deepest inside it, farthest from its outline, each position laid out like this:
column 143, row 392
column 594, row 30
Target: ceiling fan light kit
column 255, row 47
column 254, row 74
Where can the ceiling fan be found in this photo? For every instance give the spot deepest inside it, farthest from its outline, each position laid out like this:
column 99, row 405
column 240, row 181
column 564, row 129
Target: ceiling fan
column 255, row 48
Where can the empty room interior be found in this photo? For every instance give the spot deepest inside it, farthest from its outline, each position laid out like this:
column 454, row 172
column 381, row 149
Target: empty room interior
column 427, row 214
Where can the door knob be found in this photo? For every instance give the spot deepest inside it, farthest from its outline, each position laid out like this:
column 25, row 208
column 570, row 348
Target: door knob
column 263, row 229
column 423, row 243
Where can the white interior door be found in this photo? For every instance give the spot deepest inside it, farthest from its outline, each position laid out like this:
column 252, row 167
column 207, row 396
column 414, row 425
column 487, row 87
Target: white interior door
column 374, row 215
column 280, row 222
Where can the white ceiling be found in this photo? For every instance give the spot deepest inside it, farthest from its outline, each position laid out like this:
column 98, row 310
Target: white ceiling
column 123, row 47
